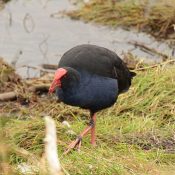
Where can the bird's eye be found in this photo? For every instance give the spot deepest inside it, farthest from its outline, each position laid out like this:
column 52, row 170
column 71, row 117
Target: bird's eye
column 65, row 76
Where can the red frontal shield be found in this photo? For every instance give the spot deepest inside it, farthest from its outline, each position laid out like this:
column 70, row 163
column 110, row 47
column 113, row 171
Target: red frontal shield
column 56, row 81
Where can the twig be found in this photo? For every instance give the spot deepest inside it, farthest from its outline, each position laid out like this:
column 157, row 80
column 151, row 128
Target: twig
column 137, row 44
column 8, row 96
column 51, row 147
column 50, row 66
column 39, row 87
column 154, row 66
column 38, row 68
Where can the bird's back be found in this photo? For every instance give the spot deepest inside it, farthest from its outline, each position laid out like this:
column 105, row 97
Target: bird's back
column 97, row 60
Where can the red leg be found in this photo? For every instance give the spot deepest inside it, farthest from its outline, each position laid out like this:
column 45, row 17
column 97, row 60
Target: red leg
column 93, row 136
column 78, row 140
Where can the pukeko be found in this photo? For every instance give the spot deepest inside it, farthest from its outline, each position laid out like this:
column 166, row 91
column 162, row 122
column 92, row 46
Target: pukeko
column 90, row 77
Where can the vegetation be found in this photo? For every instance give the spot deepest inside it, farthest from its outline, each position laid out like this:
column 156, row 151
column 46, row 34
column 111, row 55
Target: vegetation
column 2, row 2
column 156, row 18
column 135, row 136
column 5, row 1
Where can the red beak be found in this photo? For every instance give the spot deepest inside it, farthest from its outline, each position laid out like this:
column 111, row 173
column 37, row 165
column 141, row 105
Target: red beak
column 54, row 84
column 56, row 81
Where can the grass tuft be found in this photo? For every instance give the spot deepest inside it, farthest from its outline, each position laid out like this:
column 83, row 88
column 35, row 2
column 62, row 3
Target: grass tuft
column 135, row 136
column 155, row 18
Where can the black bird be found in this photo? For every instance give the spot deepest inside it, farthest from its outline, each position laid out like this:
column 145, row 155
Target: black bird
column 90, row 77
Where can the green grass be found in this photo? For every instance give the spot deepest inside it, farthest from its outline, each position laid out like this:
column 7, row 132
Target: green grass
column 157, row 18
column 135, row 136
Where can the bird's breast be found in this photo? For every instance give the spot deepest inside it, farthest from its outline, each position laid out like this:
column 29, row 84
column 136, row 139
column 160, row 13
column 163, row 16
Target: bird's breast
column 93, row 92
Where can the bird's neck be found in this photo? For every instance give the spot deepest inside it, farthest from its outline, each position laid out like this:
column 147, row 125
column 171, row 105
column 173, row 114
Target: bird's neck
column 71, row 84
column 74, row 84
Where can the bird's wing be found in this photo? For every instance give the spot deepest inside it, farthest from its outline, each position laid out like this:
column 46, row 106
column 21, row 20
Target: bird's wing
column 97, row 60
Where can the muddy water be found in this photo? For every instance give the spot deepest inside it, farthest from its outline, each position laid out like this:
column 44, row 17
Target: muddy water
column 31, row 35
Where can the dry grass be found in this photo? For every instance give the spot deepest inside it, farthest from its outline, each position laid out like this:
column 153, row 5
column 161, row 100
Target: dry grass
column 157, row 18
column 8, row 78
column 135, row 136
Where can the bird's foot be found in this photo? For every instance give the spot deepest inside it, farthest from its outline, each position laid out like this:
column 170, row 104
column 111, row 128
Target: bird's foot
column 93, row 144
column 74, row 144
column 78, row 141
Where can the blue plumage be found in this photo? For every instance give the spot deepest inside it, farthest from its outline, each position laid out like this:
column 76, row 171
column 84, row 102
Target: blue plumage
column 90, row 77
column 92, row 92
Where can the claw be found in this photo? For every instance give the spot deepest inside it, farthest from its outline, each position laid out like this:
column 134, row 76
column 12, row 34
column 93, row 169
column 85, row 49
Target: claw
column 78, row 140
column 73, row 144
column 79, row 145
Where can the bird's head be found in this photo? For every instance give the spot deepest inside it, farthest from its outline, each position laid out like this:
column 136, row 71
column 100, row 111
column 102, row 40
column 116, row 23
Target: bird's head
column 57, row 79
column 64, row 78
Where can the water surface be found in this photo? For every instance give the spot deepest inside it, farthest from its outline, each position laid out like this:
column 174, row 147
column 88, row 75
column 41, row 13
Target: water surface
column 32, row 35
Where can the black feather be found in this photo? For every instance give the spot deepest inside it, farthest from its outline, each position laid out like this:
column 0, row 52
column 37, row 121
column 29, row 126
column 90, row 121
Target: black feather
column 100, row 61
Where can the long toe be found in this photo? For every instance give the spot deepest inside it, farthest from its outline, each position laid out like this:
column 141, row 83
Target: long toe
column 78, row 141
column 73, row 144
column 79, row 145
